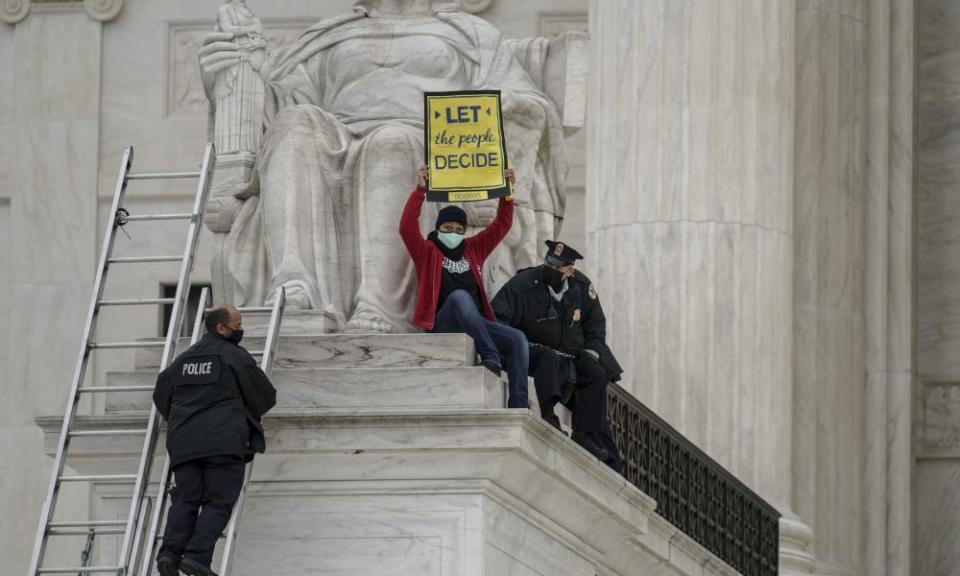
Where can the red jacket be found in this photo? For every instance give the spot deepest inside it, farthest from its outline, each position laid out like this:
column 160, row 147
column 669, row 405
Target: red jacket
column 428, row 259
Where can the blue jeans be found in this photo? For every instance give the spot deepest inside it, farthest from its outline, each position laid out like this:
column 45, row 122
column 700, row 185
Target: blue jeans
column 493, row 341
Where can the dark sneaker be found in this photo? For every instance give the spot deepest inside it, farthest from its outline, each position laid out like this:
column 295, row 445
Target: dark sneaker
column 591, row 446
column 167, row 566
column 493, row 367
column 191, row 567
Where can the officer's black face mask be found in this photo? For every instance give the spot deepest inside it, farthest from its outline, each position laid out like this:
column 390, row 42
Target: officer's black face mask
column 553, row 278
column 235, row 336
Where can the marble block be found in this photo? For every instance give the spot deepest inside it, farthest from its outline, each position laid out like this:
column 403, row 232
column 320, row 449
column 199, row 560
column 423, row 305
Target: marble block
column 381, row 388
column 340, row 387
column 294, row 322
column 352, row 350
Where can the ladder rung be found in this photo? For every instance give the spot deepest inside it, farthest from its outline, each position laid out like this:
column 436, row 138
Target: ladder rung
column 88, row 524
column 82, row 528
column 85, row 531
column 136, row 302
column 151, row 217
column 127, row 432
column 159, row 537
column 80, row 569
column 97, row 389
column 163, row 176
column 135, row 259
column 100, row 478
column 118, row 345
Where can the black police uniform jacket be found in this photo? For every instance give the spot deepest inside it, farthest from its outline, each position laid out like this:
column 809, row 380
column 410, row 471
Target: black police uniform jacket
column 574, row 324
column 213, row 397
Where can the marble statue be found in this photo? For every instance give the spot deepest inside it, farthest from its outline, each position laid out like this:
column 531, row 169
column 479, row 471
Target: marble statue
column 234, row 17
column 310, row 199
column 238, row 90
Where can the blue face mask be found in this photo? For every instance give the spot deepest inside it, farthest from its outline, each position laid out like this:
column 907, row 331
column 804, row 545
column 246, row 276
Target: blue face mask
column 450, row 239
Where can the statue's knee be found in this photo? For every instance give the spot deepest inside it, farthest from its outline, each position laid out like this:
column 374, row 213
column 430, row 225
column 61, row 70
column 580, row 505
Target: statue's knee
column 296, row 116
column 392, row 140
column 290, row 114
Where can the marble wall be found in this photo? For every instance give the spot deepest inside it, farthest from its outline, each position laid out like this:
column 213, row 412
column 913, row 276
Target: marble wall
column 691, row 205
column 938, row 300
column 53, row 139
column 829, row 228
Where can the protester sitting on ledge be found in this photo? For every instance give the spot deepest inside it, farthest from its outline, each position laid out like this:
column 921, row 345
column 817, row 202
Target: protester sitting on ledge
column 558, row 309
column 451, row 297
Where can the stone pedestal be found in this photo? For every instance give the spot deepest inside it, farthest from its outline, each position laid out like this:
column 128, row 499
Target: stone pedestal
column 394, row 455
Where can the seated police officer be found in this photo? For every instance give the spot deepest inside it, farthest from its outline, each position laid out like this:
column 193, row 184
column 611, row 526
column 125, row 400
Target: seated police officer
column 213, row 397
column 558, row 309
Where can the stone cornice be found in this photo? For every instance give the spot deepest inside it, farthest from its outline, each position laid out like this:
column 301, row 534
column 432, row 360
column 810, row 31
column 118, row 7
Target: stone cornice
column 13, row 11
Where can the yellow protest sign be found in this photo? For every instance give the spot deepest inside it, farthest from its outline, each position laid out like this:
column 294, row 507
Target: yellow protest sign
column 464, row 146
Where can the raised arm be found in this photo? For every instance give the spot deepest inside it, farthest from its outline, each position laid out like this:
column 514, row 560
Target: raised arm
column 488, row 238
column 410, row 219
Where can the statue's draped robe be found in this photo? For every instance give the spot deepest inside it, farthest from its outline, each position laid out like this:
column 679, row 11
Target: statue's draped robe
column 344, row 118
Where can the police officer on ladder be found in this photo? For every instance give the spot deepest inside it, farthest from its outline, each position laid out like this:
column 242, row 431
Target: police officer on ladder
column 558, row 309
column 213, row 397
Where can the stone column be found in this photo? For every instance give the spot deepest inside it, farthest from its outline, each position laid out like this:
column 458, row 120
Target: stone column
column 901, row 325
column 875, row 293
column 690, row 218
column 829, row 334
column 54, row 232
column 936, row 513
column 889, row 288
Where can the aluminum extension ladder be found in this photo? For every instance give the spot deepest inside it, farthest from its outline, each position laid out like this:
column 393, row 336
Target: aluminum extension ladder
column 159, row 509
column 132, row 526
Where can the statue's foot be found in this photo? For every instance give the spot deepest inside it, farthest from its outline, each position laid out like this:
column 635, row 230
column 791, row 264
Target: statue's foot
column 296, row 299
column 367, row 324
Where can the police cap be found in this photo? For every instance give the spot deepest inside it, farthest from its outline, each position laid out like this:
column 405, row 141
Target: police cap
column 560, row 254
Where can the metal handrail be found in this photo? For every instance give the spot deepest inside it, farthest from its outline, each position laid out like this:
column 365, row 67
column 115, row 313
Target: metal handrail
column 693, row 492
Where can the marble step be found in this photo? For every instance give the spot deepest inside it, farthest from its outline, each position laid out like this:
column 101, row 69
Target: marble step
column 353, row 350
column 295, row 322
column 466, row 387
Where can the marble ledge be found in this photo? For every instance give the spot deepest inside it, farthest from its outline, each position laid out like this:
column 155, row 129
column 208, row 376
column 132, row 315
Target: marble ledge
column 509, row 455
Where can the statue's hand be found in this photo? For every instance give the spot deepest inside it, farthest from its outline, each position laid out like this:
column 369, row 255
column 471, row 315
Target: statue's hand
column 218, row 53
column 525, row 111
column 221, row 212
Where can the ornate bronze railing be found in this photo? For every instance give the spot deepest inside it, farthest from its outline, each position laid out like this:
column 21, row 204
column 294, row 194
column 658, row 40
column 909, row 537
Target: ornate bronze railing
column 692, row 491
